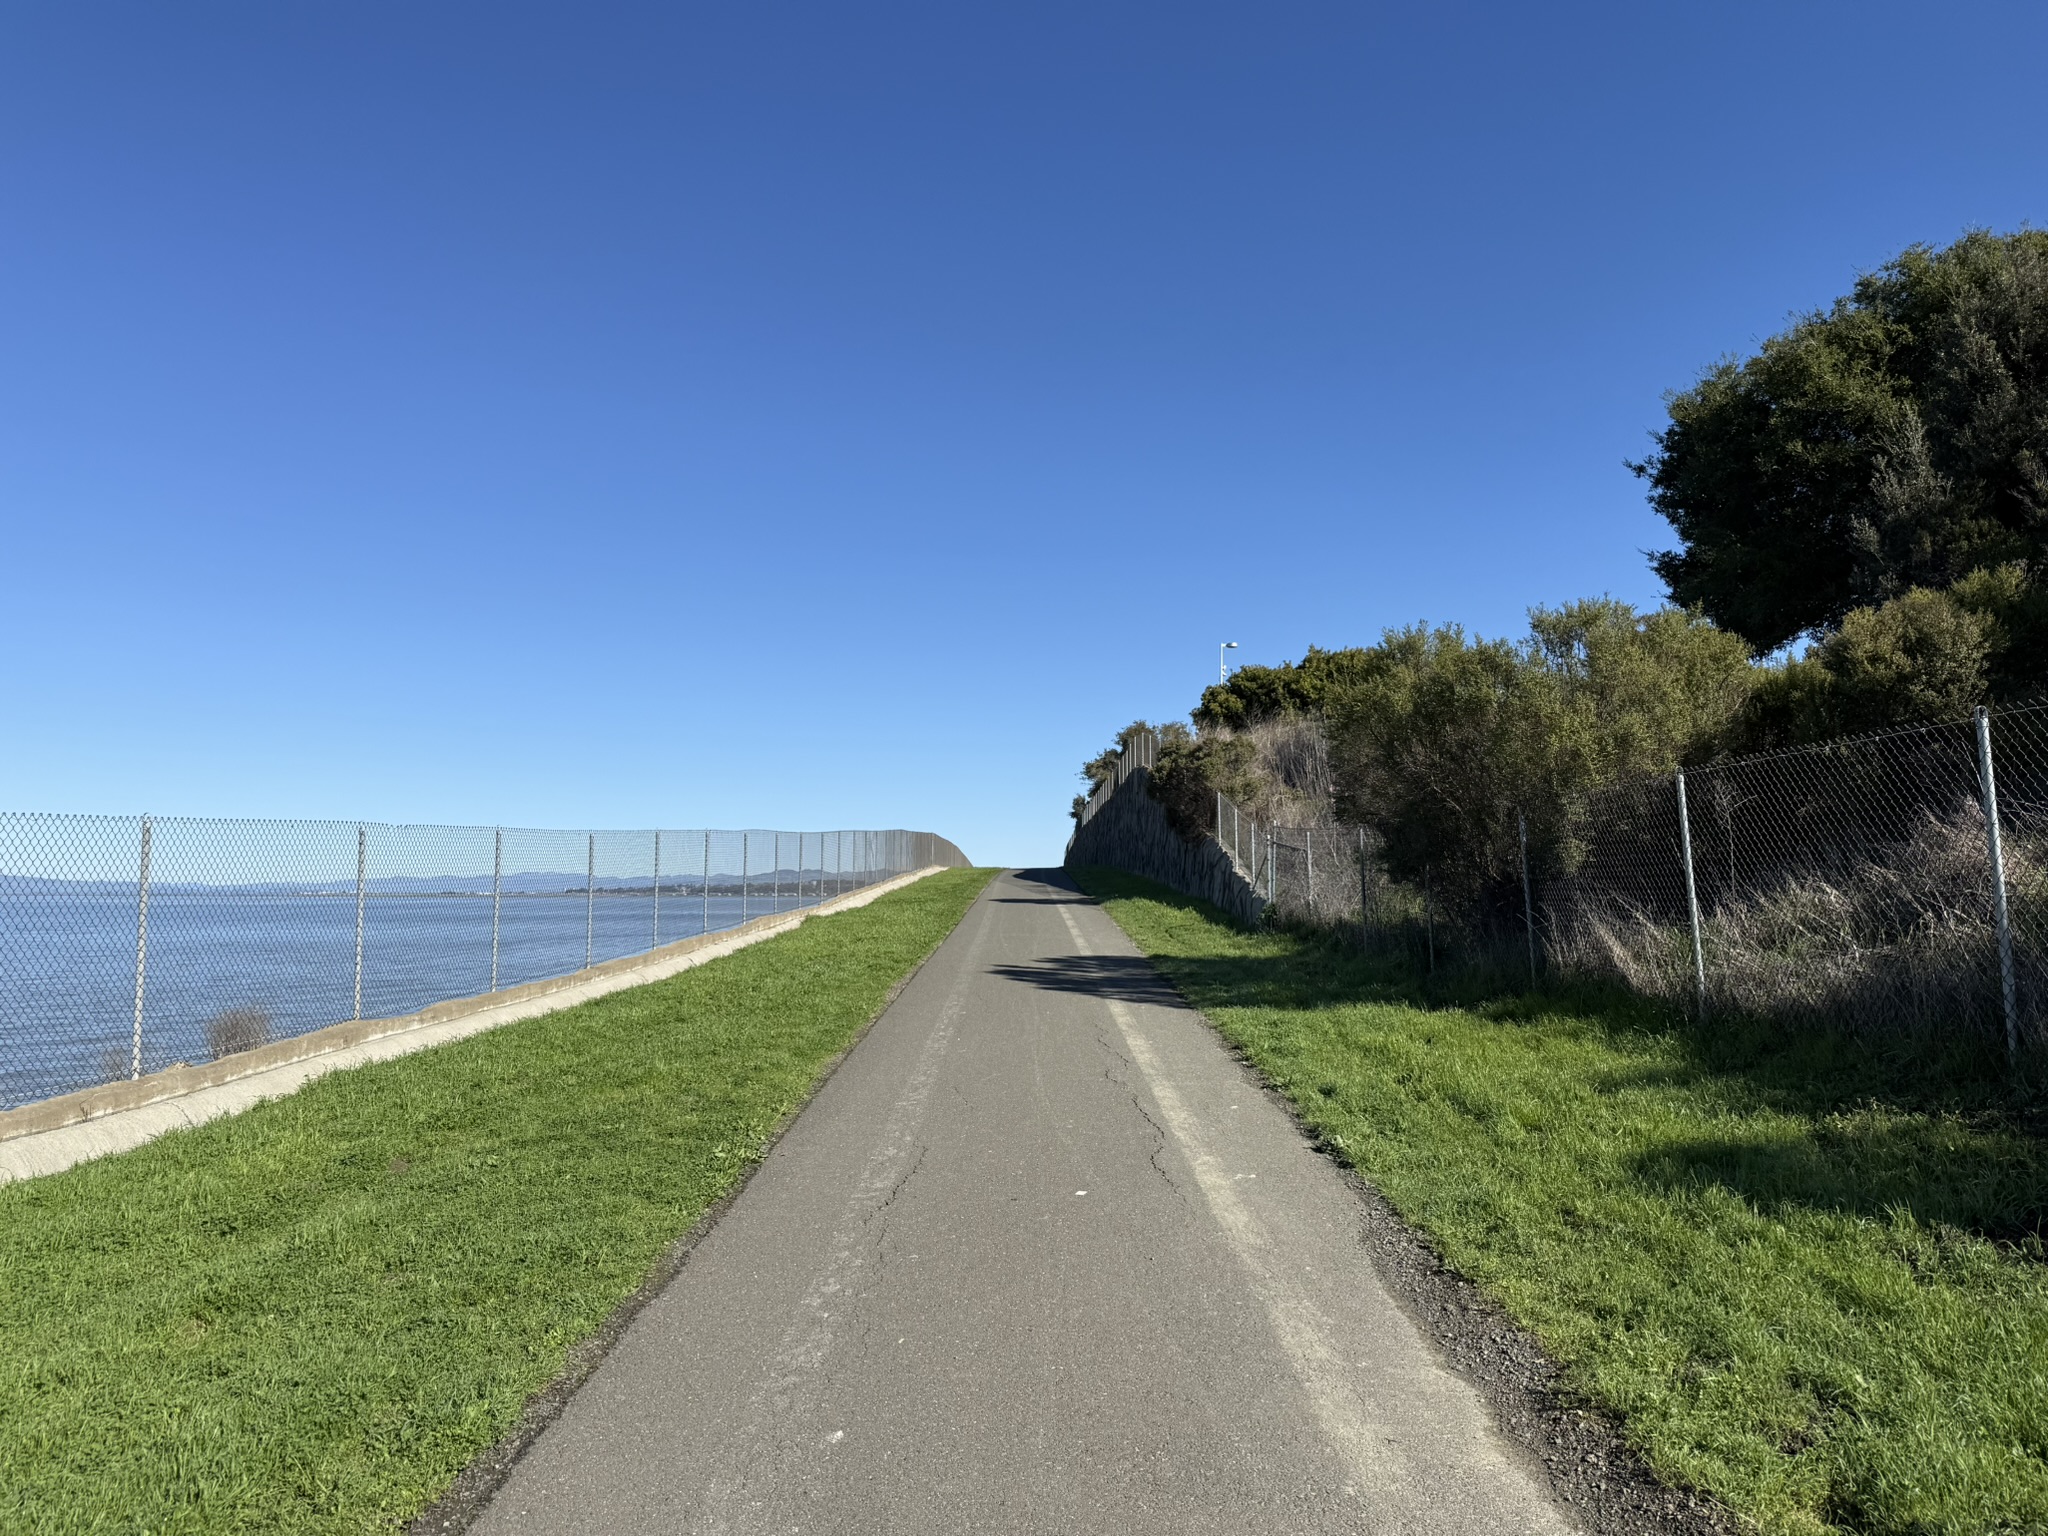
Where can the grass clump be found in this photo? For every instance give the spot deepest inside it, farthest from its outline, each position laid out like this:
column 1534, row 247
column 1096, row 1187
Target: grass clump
column 1807, row 1277
column 310, row 1316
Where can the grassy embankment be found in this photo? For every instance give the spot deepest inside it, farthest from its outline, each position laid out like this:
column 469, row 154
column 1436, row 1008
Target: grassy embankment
column 310, row 1316
column 1807, row 1280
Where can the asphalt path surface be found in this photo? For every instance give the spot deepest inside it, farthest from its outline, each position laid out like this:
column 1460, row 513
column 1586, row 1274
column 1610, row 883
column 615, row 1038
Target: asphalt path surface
column 1040, row 1257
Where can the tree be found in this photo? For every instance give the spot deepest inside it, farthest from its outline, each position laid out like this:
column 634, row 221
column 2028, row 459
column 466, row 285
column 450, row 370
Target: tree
column 1448, row 740
column 1192, row 770
column 1435, row 751
column 1898, row 439
column 1258, row 693
column 1922, row 656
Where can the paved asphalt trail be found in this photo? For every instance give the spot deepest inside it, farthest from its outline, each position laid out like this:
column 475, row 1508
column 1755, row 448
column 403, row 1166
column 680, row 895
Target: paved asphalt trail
column 1041, row 1257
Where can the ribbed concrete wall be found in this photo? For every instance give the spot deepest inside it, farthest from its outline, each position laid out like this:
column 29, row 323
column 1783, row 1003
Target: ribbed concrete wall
column 1129, row 831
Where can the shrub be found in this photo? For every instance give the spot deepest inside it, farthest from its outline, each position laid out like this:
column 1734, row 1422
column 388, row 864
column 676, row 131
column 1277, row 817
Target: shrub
column 235, row 1030
column 1451, row 739
column 1923, row 656
column 1256, row 694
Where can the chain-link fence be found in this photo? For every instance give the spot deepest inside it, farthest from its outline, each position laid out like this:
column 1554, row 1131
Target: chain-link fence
column 130, row 944
column 1239, row 834
column 1893, row 884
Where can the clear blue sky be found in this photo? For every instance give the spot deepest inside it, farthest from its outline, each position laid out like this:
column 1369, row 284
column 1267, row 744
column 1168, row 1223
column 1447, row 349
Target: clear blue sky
column 841, row 415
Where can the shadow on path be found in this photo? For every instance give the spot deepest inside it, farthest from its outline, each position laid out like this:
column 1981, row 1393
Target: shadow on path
column 1124, row 977
column 1805, row 1121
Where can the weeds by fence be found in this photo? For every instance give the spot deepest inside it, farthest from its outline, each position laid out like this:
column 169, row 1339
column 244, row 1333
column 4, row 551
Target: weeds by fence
column 128, row 944
column 1893, row 885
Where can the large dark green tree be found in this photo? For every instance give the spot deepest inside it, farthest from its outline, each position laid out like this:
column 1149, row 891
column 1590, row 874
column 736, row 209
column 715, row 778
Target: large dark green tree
column 1894, row 441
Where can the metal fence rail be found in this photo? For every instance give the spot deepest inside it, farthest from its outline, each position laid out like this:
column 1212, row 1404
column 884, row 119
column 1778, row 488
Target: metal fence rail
column 130, row 944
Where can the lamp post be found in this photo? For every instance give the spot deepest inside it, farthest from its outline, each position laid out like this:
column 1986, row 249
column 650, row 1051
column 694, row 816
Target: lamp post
column 1222, row 662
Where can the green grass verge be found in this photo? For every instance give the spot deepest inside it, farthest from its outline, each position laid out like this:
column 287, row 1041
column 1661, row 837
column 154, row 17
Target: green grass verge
column 310, row 1316
column 1805, row 1280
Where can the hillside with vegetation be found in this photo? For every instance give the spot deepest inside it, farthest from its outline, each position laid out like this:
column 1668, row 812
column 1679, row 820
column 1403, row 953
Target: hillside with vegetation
column 1861, row 515
column 1759, row 1161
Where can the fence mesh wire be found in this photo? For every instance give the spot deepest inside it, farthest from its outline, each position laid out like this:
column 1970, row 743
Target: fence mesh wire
column 131, row 944
column 1850, row 885
column 1248, row 844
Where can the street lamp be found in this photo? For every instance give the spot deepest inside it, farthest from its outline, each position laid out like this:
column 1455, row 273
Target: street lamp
column 1222, row 665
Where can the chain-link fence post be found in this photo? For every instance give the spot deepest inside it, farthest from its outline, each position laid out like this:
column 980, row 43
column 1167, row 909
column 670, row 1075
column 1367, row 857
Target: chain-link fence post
column 1309, row 837
column 1429, row 915
column 778, row 872
column 1364, row 895
column 1528, row 900
column 141, row 951
column 362, row 891
column 743, row 879
column 1996, row 848
column 589, row 899
column 1692, row 901
column 497, row 896
column 707, row 882
column 655, row 942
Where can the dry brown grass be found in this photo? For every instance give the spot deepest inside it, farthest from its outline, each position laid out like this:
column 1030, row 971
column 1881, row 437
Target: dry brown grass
column 1898, row 941
column 237, row 1029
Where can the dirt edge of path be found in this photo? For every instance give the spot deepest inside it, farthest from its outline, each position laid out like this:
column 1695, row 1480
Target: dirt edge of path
column 478, row 1483
column 1591, row 1468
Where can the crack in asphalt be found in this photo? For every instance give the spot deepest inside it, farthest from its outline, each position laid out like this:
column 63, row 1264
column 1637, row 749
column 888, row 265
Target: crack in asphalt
column 878, row 1220
column 778, row 1401
column 1130, row 1088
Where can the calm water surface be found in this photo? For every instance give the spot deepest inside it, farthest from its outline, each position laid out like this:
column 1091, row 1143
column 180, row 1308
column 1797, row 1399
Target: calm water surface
column 67, row 965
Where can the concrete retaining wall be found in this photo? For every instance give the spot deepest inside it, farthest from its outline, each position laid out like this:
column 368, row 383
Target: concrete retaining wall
column 1129, row 831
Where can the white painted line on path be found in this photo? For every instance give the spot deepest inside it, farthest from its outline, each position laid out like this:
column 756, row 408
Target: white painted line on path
column 1301, row 1329
column 809, row 1339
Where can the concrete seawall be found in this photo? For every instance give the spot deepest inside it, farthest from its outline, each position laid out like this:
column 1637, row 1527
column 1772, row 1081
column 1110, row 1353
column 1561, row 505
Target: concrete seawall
column 54, row 1134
